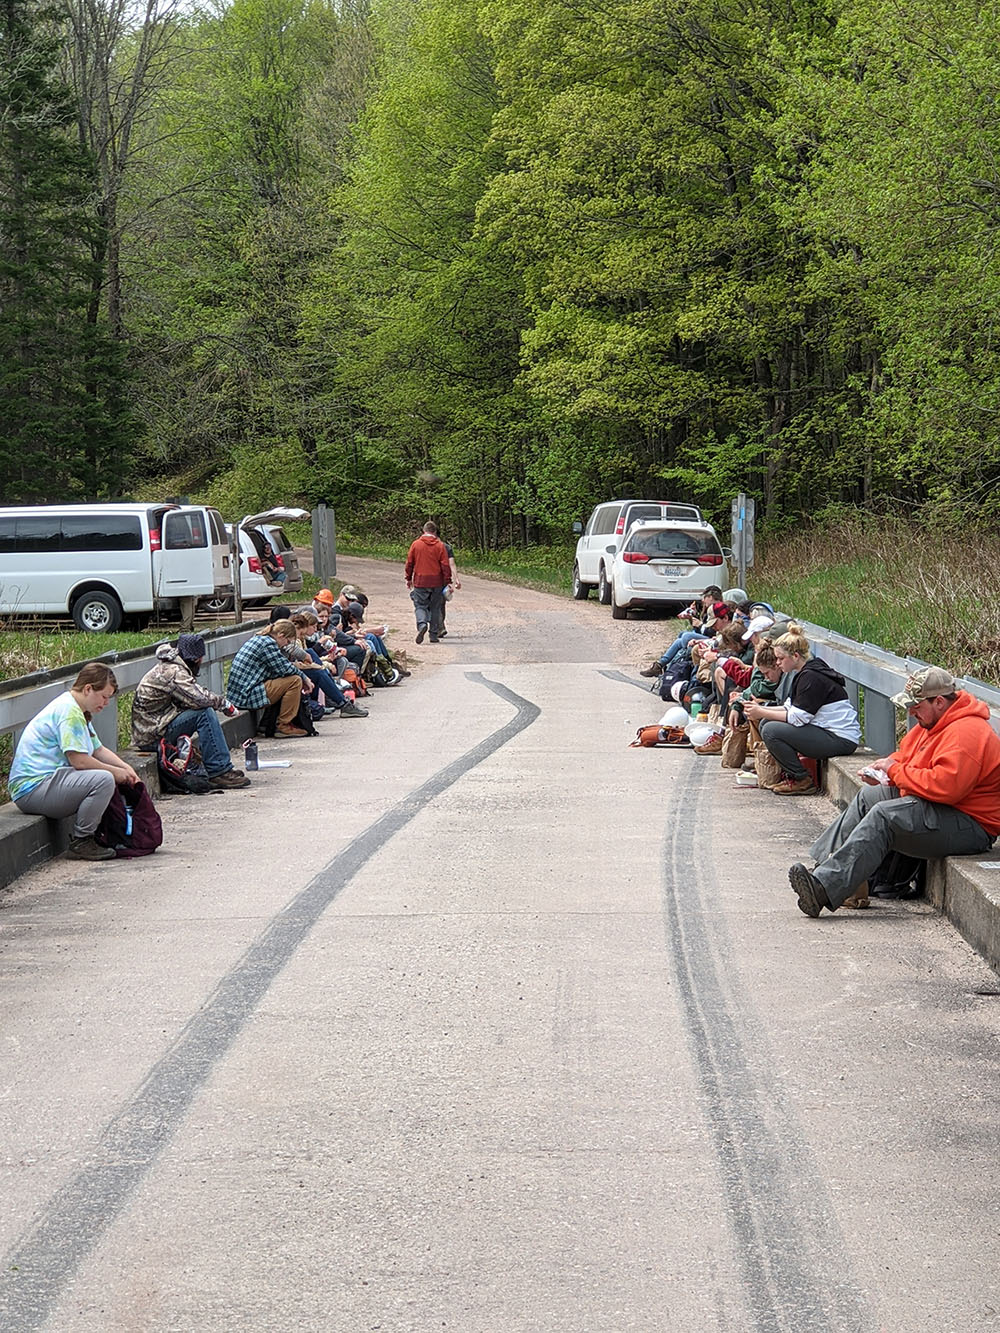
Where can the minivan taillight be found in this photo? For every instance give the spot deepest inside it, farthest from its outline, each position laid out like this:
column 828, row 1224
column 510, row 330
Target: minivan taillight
column 710, row 560
column 635, row 558
column 154, row 539
column 620, row 525
column 280, row 561
column 253, row 564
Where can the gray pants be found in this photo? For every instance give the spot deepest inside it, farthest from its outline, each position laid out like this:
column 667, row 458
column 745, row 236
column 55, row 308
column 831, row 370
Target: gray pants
column 428, row 604
column 84, row 792
column 786, row 743
column 879, row 821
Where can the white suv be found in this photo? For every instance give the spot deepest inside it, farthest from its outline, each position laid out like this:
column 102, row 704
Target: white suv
column 608, row 526
column 661, row 563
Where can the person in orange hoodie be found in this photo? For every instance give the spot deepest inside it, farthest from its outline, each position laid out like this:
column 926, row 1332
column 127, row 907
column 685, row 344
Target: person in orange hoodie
column 427, row 573
column 937, row 795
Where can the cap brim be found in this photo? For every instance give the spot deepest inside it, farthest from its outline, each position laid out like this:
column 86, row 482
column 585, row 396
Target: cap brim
column 904, row 700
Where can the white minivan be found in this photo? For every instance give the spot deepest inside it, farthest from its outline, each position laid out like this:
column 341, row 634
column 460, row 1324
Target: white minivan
column 608, row 526
column 662, row 564
column 101, row 563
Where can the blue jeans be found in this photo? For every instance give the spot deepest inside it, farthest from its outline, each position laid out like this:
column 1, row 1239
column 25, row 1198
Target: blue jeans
column 378, row 645
column 322, row 679
column 214, row 749
column 679, row 644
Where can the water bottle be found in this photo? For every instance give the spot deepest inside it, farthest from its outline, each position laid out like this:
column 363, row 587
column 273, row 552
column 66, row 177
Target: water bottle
column 250, row 754
column 184, row 749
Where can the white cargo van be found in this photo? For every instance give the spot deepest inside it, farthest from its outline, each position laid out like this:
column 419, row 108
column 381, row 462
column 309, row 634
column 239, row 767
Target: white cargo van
column 100, row 563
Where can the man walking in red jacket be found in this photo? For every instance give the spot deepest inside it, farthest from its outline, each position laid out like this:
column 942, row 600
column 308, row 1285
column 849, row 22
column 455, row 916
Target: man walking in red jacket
column 427, row 573
column 937, row 795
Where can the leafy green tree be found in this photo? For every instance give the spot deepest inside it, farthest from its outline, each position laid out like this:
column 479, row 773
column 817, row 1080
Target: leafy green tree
column 63, row 428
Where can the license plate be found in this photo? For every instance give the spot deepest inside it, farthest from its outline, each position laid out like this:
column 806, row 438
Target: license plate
column 671, row 571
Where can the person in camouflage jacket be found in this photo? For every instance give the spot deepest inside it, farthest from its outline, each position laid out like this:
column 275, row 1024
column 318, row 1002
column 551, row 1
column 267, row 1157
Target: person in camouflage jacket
column 170, row 703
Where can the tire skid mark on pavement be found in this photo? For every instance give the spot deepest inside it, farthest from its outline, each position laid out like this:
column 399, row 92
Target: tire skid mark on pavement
column 627, row 680
column 788, row 1244
column 37, row 1269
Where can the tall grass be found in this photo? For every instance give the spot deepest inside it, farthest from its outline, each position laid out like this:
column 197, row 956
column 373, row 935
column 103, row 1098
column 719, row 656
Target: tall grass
column 928, row 594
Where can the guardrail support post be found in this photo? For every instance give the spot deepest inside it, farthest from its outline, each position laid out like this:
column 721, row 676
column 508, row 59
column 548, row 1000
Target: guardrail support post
column 880, row 723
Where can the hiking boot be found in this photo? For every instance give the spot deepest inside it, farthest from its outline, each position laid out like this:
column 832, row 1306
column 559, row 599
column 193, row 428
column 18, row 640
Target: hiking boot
column 747, row 780
column 421, row 631
column 443, row 634
column 290, row 731
column 86, row 849
column 859, row 899
column 810, row 892
column 434, row 639
column 712, row 746
column 352, row 710
column 651, row 671
column 231, row 778
column 796, row 787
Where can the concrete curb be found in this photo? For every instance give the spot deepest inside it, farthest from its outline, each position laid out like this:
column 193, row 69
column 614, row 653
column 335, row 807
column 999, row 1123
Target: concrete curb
column 959, row 886
column 27, row 841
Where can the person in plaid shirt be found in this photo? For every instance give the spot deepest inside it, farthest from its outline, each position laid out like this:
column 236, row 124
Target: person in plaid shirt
column 261, row 674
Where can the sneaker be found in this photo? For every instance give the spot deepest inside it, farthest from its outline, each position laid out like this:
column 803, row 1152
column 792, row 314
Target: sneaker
column 86, row 849
column 290, row 731
column 352, row 710
column 421, row 631
column 810, row 892
column 795, row 787
column 232, row 778
column 651, row 671
column 747, row 780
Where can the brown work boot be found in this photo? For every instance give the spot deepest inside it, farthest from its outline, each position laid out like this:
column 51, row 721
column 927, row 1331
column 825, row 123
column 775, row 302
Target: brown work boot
column 650, row 671
column 712, row 746
column 795, row 787
column 859, row 899
column 290, row 731
column 232, row 778
column 86, row 849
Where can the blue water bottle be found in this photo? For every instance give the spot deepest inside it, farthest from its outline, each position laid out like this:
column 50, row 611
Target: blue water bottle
column 250, row 754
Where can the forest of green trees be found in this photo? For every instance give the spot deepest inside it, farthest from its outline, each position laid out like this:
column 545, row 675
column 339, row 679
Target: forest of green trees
column 494, row 260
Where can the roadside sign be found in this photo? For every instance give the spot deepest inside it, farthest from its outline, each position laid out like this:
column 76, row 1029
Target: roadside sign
column 743, row 510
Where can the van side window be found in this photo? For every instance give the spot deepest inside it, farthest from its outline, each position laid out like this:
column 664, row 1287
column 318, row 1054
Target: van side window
column 183, row 531
column 40, row 532
column 219, row 537
column 101, row 532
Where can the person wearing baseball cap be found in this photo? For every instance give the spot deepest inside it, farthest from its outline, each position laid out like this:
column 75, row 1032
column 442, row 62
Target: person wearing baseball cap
column 937, row 795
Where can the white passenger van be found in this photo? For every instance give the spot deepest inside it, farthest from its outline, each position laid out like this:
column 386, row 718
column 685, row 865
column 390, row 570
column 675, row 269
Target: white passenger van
column 101, row 563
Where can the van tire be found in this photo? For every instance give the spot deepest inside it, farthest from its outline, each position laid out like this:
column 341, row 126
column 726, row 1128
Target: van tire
column 97, row 613
column 581, row 590
column 603, row 588
column 215, row 606
column 618, row 612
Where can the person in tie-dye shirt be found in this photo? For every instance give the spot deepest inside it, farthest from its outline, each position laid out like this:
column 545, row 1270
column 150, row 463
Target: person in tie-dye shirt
column 61, row 768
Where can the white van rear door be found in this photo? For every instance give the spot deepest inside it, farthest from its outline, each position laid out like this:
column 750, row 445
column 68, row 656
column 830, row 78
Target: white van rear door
column 182, row 567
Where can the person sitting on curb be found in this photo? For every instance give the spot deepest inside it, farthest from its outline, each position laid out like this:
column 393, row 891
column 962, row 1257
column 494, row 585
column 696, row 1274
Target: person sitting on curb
column 703, row 616
column 427, row 574
column 261, row 675
column 817, row 720
column 314, row 668
column 170, row 703
column 61, row 768
column 937, row 795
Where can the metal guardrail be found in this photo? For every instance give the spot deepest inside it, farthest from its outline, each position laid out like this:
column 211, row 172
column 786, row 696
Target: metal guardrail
column 21, row 699
column 873, row 676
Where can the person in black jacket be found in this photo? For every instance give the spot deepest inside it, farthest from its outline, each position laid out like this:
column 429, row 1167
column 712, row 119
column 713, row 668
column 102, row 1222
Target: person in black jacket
column 817, row 720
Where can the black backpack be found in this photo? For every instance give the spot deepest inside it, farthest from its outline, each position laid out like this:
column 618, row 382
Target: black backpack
column 268, row 723
column 179, row 776
column 898, row 876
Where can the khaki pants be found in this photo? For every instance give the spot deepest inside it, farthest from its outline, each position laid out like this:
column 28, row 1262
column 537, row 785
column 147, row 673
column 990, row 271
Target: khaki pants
column 286, row 692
